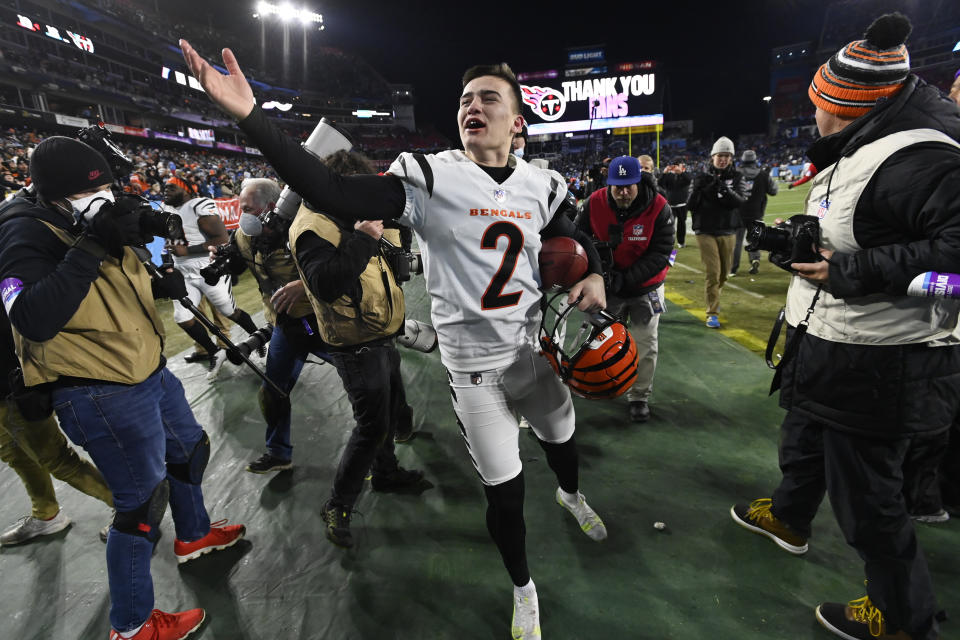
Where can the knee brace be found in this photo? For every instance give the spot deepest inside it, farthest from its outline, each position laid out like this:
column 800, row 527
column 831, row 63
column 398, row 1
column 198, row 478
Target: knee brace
column 274, row 408
column 192, row 470
column 144, row 521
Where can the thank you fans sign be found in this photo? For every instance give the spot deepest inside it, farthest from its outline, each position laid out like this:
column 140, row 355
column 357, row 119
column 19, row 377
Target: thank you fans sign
column 598, row 102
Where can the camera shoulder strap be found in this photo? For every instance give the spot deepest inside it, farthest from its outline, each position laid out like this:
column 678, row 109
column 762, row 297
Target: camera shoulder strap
column 793, row 343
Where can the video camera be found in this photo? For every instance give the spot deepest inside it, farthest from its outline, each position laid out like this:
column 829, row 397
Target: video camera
column 793, row 240
column 153, row 221
column 403, row 263
column 220, row 265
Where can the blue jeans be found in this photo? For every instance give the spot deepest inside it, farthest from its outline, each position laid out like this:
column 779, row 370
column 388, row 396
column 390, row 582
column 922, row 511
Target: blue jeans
column 131, row 432
column 285, row 359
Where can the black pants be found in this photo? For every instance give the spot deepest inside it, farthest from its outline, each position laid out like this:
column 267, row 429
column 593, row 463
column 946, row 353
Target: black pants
column 371, row 378
column 738, row 250
column 950, row 470
column 921, row 489
column 864, row 480
column 680, row 215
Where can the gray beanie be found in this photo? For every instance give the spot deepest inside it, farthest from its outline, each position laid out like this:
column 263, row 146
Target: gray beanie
column 749, row 156
column 722, row 145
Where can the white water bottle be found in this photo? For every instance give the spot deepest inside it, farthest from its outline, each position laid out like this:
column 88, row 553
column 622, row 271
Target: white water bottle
column 935, row 285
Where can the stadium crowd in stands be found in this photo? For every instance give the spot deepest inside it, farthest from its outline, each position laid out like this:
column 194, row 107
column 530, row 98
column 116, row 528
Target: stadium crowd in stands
column 213, row 174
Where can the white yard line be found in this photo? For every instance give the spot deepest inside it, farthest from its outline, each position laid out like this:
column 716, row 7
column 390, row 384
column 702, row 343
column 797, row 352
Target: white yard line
column 726, row 284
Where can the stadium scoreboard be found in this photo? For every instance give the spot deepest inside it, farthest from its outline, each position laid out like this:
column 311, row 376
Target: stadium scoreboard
column 595, row 97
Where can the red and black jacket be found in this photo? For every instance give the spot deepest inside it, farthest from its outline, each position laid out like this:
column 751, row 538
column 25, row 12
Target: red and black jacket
column 643, row 255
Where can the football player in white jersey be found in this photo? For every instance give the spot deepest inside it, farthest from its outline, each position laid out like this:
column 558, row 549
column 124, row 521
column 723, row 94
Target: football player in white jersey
column 479, row 215
column 202, row 228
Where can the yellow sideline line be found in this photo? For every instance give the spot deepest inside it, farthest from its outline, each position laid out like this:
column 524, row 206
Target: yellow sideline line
column 740, row 336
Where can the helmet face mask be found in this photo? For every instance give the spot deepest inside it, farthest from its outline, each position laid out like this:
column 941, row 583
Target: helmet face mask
column 604, row 365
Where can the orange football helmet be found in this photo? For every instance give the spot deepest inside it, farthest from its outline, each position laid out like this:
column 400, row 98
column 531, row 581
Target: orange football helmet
column 604, row 365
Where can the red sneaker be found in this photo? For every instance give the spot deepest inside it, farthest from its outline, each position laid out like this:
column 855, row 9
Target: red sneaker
column 220, row 537
column 167, row 626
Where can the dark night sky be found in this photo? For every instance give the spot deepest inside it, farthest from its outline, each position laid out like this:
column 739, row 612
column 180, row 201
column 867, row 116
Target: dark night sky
column 715, row 56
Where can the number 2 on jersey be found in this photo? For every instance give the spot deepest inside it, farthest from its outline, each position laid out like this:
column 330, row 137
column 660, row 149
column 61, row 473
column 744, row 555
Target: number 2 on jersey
column 493, row 297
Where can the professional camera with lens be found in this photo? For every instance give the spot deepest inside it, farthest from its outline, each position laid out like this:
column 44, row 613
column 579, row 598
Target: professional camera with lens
column 153, row 221
column 418, row 336
column 254, row 341
column 220, row 265
column 606, row 248
column 98, row 137
column 794, row 240
column 403, row 263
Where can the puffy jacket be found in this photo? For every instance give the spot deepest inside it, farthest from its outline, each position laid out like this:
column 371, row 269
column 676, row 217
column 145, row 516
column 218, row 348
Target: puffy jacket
column 906, row 221
column 641, row 275
column 715, row 199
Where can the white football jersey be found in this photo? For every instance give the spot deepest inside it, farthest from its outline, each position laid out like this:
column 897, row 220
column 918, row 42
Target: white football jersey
column 189, row 212
column 480, row 242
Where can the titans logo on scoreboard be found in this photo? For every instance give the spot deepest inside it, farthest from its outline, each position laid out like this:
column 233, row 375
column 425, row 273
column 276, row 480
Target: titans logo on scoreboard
column 548, row 103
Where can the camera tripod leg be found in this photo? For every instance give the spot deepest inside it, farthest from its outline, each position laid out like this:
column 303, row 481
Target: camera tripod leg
column 215, row 330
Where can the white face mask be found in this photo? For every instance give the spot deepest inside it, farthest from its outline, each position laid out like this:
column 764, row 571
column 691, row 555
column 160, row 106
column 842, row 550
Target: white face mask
column 518, row 152
column 88, row 206
column 250, row 224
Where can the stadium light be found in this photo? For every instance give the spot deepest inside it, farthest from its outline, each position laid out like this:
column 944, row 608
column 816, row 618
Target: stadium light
column 767, row 98
column 286, row 12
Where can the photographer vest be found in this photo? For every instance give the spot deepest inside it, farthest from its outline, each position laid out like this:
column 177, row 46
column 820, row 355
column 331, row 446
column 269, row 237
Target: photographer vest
column 637, row 231
column 272, row 270
column 115, row 334
column 345, row 321
column 876, row 319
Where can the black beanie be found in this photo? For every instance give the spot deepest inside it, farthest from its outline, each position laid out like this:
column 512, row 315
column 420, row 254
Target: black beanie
column 62, row 166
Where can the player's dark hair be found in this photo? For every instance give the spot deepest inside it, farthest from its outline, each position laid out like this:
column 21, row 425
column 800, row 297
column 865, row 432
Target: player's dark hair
column 348, row 163
column 502, row 71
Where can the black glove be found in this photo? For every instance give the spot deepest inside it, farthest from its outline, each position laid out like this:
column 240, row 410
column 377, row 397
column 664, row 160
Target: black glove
column 702, row 181
column 722, row 189
column 171, row 285
column 790, row 186
column 113, row 228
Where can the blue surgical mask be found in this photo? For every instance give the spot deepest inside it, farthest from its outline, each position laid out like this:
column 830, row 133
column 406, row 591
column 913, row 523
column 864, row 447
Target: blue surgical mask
column 518, row 152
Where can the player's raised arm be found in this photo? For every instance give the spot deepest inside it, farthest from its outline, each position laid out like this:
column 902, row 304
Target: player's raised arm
column 230, row 92
column 348, row 198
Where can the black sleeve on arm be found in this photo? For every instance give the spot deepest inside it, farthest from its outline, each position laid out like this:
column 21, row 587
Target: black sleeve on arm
column 331, row 271
column 910, row 216
column 349, row 198
column 562, row 225
column 657, row 255
column 53, row 286
column 696, row 193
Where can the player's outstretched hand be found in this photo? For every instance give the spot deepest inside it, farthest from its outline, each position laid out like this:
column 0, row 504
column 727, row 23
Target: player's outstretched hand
column 591, row 294
column 230, row 92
